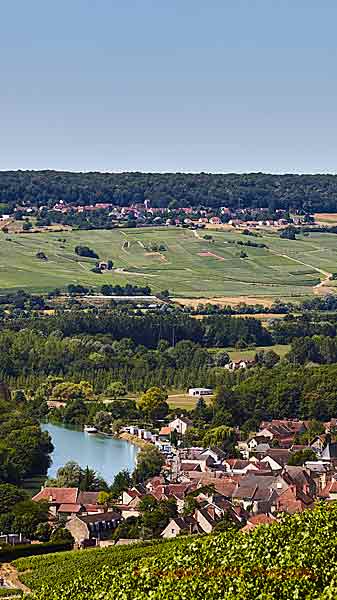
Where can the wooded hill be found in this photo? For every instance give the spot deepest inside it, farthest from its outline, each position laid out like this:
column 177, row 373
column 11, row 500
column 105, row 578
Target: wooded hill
column 308, row 193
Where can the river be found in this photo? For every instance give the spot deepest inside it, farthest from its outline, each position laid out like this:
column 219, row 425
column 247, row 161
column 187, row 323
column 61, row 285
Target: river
column 106, row 455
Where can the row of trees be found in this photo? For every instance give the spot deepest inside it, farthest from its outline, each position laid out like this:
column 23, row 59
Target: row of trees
column 149, row 329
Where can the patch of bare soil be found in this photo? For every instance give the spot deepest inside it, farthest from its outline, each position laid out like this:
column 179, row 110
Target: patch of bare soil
column 11, row 577
column 156, row 255
column 211, row 254
column 225, row 301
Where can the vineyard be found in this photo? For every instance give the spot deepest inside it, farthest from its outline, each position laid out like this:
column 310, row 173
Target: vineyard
column 38, row 571
column 293, row 559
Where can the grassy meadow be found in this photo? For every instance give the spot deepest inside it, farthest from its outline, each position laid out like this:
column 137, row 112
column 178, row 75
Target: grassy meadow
column 189, row 267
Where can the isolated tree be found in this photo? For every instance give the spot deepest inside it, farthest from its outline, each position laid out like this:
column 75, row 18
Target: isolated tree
column 92, row 481
column 174, row 438
column 289, row 233
column 75, row 412
column 300, row 457
column 153, row 403
column 116, row 390
column 69, row 475
column 67, row 391
column 267, row 358
column 43, row 532
column 221, row 436
column 62, row 535
column 149, row 463
column 121, row 482
column 221, row 359
column 19, row 397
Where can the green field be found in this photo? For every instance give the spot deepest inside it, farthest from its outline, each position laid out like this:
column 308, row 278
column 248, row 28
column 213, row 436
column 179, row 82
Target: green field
column 280, row 349
column 284, row 269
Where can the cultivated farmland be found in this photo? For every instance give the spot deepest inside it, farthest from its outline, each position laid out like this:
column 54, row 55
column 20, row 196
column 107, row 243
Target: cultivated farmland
column 183, row 261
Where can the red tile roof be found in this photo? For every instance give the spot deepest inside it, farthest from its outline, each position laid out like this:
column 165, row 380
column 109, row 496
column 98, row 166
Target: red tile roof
column 165, row 431
column 70, row 508
column 56, row 495
column 256, row 520
column 331, row 487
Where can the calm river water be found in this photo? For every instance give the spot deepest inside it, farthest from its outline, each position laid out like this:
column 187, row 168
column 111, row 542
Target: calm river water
column 105, row 455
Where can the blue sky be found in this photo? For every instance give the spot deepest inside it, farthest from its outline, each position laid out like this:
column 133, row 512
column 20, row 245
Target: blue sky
column 169, row 85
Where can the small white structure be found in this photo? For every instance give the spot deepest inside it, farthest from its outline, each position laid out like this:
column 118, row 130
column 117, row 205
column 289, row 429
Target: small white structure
column 200, row 392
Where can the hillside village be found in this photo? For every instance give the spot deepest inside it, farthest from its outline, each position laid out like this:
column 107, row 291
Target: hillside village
column 209, row 489
column 145, row 214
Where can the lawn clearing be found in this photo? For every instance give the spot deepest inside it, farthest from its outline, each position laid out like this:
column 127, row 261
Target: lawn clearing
column 249, row 353
column 328, row 218
column 185, row 401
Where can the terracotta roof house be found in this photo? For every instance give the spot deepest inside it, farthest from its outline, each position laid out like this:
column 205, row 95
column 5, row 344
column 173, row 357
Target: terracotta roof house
column 256, row 520
column 133, row 495
column 165, row 433
column 69, row 509
column 155, row 482
column 89, row 501
column 293, row 500
column 287, row 425
column 239, row 466
column 284, row 430
column 329, row 492
column 69, row 501
column 218, row 507
column 56, row 497
column 187, row 467
column 257, row 440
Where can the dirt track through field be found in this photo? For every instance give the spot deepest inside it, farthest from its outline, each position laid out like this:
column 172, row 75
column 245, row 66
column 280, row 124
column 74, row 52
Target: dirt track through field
column 211, row 255
column 123, row 272
column 317, row 289
column 10, row 575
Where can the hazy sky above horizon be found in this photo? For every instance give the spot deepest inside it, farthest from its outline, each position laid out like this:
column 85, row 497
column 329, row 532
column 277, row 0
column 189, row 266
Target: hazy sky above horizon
column 178, row 85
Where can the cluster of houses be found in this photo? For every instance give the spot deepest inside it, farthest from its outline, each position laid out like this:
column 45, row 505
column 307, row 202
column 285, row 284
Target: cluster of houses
column 247, row 491
column 161, row 440
column 170, row 216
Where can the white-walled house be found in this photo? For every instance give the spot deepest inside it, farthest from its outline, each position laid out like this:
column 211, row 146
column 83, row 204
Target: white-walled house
column 181, row 424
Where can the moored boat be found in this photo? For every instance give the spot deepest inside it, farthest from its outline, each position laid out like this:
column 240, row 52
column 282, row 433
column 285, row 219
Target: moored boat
column 90, row 429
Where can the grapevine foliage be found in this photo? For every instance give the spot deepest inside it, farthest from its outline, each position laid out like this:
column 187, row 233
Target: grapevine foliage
column 293, row 559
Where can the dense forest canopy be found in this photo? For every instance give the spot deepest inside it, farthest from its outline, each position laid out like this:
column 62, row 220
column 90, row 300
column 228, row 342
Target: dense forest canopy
column 308, row 193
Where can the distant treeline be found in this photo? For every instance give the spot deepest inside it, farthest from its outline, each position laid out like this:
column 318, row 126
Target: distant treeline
column 149, row 329
column 305, row 193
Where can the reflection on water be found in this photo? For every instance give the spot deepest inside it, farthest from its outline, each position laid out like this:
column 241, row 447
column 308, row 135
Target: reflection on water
column 105, row 455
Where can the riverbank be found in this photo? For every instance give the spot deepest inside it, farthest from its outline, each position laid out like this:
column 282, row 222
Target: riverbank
column 133, row 439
